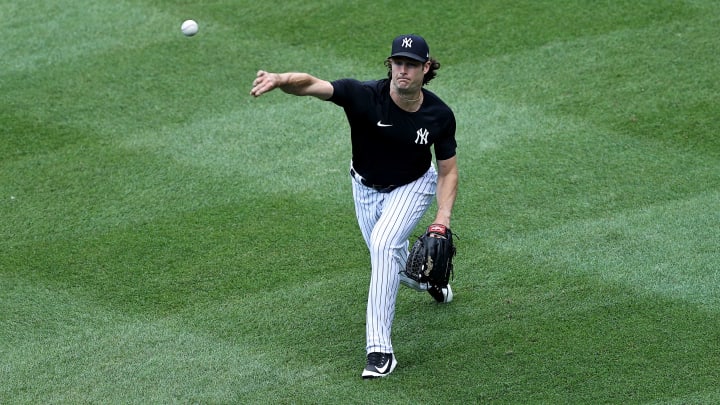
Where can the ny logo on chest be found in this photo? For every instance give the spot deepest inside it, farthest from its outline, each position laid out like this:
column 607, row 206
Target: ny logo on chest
column 422, row 136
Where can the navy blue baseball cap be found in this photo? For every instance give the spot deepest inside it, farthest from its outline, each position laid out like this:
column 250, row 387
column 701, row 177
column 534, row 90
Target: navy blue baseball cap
column 411, row 46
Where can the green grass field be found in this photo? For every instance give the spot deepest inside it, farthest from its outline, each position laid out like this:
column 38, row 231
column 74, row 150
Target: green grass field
column 166, row 238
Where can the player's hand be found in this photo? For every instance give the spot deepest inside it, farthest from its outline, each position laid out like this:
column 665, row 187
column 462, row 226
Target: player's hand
column 264, row 82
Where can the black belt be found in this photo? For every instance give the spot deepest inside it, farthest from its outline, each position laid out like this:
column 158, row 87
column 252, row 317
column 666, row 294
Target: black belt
column 380, row 188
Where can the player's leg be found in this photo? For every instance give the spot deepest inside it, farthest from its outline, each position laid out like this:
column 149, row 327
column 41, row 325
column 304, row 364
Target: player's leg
column 402, row 209
column 368, row 207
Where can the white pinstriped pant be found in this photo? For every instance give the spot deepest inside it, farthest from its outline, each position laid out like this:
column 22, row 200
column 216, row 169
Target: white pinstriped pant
column 386, row 221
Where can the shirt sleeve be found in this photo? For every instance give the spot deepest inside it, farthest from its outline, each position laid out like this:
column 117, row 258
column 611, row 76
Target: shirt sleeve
column 343, row 91
column 446, row 145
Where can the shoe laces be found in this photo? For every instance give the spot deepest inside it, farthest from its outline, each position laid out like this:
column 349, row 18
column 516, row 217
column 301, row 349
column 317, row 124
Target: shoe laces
column 376, row 358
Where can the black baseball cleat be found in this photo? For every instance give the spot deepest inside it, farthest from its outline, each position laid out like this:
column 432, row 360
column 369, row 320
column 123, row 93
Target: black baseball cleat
column 441, row 294
column 379, row 365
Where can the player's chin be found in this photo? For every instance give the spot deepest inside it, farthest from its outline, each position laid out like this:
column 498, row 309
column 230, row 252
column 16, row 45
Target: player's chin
column 408, row 91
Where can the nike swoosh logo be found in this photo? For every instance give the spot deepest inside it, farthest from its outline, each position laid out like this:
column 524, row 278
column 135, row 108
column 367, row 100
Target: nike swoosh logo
column 385, row 368
column 380, row 124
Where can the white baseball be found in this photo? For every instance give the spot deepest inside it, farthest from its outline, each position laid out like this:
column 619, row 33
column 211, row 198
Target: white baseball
column 189, row 27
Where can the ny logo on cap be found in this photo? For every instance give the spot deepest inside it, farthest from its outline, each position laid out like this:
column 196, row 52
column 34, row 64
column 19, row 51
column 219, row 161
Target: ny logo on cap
column 407, row 42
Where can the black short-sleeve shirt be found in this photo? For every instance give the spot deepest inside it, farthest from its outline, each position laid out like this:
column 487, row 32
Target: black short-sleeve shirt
column 391, row 145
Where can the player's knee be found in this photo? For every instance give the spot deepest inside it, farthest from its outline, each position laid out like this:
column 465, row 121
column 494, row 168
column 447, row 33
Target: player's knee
column 378, row 246
column 385, row 247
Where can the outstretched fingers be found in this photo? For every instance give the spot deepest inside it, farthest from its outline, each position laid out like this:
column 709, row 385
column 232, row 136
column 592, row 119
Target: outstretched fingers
column 263, row 83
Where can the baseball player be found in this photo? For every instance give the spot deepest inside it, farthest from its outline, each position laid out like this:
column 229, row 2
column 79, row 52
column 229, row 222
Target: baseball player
column 395, row 124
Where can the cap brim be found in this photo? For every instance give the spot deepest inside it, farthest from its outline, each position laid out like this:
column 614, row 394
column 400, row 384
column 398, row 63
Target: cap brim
column 409, row 56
